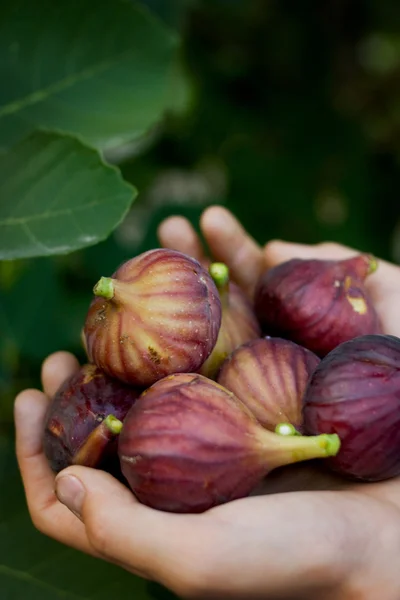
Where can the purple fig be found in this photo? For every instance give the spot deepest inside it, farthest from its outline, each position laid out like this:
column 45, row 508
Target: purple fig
column 160, row 313
column 269, row 375
column 317, row 303
column 189, row 444
column 239, row 323
column 355, row 393
column 84, row 418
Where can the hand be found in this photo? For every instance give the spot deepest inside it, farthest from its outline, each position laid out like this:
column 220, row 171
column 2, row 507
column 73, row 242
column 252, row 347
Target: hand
column 329, row 544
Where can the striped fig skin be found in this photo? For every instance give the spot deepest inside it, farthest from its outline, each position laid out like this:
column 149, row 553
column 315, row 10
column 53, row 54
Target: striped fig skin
column 269, row 375
column 164, row 318
column 355, row 392
column 318, row 304
column 81, row 403
column 239, row 325
column 188, row 444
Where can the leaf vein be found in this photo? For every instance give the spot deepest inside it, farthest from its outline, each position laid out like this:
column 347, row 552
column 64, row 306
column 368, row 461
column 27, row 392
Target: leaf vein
column 63, row 84
column 34, row 239
column 62, row 212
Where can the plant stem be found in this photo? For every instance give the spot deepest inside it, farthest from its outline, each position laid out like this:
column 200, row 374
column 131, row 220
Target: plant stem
column 93, row 448
column 104, row 288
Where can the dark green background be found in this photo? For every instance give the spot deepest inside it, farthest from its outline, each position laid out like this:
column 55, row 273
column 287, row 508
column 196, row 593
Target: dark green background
column 293, row 123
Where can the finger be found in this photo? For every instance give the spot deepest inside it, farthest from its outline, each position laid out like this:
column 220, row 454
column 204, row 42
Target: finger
column 388, row 490
column 277, row 251
column 383, row 285
column 118, row 527
column 48, row 515
column 177, row 233
column 230, row 243
column 56, row 369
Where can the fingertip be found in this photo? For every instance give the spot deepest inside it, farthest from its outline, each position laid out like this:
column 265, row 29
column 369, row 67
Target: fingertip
column 30, row 408
column 231, row 244
column 56, row 368
column 59, row 361
column 97, row 482
column 92, row 495
column 216, row 216
column 28, row 401
column 118, row 527
column 170, row 226
column 278, row 251
column 177, row 233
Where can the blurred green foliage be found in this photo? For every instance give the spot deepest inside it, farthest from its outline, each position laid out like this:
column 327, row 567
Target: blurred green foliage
column 290, row 117
column 288, row 114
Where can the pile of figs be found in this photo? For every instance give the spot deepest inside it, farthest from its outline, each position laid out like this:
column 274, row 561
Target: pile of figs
column 192, row 393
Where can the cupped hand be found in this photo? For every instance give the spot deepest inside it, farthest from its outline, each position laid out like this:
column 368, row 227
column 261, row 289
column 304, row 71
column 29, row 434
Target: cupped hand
column 327, row 544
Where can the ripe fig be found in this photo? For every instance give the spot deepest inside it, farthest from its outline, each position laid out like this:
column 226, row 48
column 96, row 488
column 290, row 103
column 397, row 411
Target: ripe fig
column 84, row 418
column 269, row 375
column 160, row 313
column 317, row 303
column 189, row 444
column 355, row 392
column 239, row 323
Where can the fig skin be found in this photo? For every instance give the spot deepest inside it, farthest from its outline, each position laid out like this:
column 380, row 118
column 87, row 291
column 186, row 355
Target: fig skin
column 238, row 325
column 76, row 430
column 189, row 444
column 161, row 314
column 270, row 375
column 318, row 304
column 355, row 392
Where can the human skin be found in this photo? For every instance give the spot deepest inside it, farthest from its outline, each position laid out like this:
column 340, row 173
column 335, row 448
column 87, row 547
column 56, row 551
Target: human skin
column 323, row 538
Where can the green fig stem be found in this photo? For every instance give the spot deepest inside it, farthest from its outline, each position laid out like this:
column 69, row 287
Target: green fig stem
column 104, row 288
column 373, row 264
column 281, row 450
column 220, row 275
column 93, row 448
column 361, row 266
column 286, row 429
column 113, row 424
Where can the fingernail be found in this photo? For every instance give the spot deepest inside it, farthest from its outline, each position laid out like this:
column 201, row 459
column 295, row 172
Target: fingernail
column 71, row 493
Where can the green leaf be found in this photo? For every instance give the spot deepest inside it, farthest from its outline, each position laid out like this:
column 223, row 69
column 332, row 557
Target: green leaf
column 57, row 195
column 99, row 69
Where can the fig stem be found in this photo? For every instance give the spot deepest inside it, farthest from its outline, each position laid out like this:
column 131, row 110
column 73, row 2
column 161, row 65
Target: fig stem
column 281, row 450
column 373, row 264
column 113, row 424
column 220, row 275
column 104, row 288
column 93, row 448
column 286, row 429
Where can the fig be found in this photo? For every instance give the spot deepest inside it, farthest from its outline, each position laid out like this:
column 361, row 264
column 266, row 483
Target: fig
column 238, row 325
column 269, row 375
column 159, row 313
column 318, row 304
column 84, row 417
column 189, row 444
column 355, row 393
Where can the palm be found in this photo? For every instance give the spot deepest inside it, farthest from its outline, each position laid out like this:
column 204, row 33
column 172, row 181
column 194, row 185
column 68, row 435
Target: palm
column 327, row 505
column 226, row 550
column 230, row 243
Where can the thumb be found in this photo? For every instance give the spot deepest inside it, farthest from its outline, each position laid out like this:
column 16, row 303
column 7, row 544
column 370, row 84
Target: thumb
column 117, row 526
